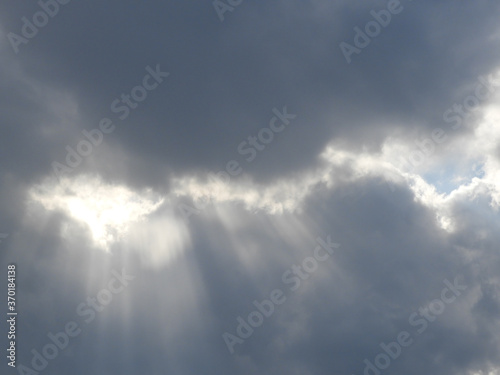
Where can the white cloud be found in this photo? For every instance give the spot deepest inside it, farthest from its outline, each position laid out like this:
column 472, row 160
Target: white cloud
column 108, row 210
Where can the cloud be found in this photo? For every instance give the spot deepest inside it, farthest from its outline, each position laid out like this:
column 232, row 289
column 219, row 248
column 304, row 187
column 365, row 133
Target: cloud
column 107, row 210
column 380, row 157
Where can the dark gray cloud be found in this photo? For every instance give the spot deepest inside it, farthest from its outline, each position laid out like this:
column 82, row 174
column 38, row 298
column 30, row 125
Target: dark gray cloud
column 392, row 261
column 226, row 77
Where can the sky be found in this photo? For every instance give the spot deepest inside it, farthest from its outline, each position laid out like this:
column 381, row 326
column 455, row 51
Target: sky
column 233, row 187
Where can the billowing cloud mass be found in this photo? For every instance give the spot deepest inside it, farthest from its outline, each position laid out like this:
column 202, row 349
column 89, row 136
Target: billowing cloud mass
column 236, row 187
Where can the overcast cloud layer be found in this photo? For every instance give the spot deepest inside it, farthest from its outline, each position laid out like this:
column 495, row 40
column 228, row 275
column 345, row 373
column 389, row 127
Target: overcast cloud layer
column 225, row 153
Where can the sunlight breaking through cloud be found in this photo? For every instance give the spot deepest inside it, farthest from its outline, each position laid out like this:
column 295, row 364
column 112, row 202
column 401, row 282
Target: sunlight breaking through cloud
column 108, row 210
